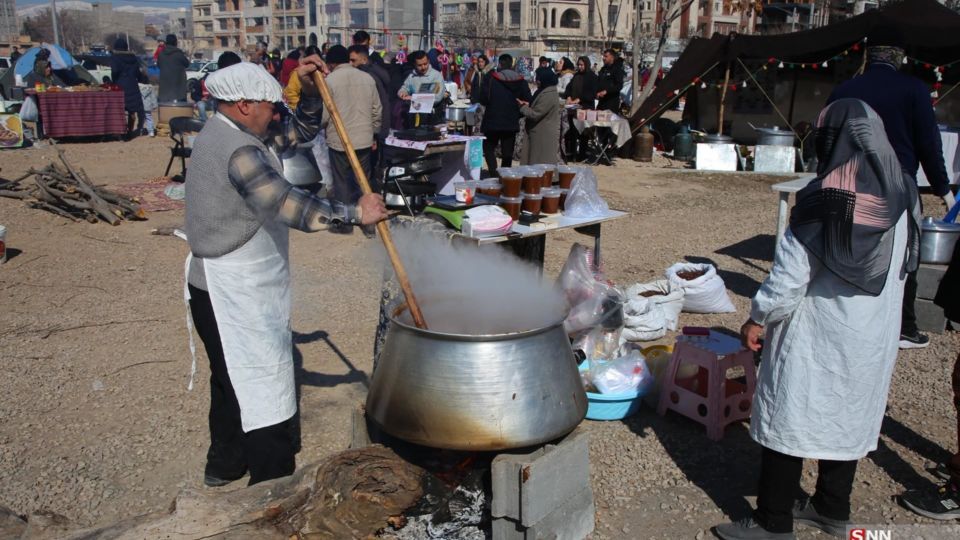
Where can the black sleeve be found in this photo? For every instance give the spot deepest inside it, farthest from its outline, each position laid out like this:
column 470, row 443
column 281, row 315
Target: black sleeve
column 929, row 146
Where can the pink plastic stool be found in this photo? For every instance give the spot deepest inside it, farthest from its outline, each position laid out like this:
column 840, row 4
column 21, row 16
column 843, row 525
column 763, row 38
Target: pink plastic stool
column 713, row 396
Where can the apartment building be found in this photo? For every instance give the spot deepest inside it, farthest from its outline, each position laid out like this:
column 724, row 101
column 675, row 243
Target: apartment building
column 567, row 26
column 9, row 29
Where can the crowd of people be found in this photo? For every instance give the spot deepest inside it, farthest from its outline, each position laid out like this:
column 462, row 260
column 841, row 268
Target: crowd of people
column 844, row 276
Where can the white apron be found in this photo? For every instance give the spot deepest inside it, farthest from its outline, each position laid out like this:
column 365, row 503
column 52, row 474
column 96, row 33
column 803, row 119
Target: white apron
column 250, row 293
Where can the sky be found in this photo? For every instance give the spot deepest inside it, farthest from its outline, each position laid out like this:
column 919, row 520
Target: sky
column 116, row 3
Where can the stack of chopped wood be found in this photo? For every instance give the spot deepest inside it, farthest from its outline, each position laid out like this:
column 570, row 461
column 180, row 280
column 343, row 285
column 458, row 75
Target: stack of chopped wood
column 68, row 192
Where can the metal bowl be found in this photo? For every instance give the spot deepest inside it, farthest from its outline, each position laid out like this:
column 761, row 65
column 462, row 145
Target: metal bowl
column 938, row 241
column 300, row 166
column 456, row 114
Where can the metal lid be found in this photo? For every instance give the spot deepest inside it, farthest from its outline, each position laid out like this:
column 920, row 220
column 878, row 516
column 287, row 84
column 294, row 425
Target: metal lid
column 937, row 225
column 774, row 131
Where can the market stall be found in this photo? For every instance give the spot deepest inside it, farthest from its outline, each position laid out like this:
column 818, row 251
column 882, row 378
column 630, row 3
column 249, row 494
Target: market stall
column 461, row 157
column 80, row 113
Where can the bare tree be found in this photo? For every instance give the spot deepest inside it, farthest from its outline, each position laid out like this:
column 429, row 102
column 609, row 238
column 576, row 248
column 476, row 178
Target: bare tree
column 136, row 46
column 75, row 32
column 671, row 10
column 475, row 30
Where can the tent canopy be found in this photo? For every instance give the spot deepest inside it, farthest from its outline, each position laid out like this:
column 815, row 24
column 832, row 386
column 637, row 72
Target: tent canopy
column 930, row 30
column 59, row 58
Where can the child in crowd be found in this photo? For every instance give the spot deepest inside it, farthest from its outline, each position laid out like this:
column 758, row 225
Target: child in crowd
column 149, row 96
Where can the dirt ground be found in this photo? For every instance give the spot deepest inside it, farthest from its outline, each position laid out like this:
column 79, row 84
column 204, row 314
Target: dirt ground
column 98, row 423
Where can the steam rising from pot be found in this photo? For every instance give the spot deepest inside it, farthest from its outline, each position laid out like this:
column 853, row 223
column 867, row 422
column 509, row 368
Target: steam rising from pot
column 466, row 289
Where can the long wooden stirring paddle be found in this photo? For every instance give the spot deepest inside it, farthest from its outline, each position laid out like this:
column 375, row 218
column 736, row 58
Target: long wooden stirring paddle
column 382, row 227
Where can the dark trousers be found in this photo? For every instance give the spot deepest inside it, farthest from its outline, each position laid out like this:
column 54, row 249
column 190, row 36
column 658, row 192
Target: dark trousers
column 506, row 140
column 345, row 186
column 135, row 117
column 953, row 465
column 780, row 485
column 267, row 452
column 908, row 315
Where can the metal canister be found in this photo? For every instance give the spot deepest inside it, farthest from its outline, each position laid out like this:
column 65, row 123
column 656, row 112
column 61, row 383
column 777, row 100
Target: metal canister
column 643, row 145
column 683, row 144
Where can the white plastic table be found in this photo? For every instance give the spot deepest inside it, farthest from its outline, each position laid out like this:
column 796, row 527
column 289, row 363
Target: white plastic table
column 785, row 189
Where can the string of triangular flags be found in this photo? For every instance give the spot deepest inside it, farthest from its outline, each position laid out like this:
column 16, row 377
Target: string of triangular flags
column 779, row 63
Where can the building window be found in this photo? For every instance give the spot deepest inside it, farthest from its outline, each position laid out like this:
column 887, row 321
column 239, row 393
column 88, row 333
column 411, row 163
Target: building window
column 543, row 14
column 359, row 18
column 613, row 12
column 499, row 13
column 313, row 12
column 450, row 9
column 570, row 19
column 553, row 18
column 514, row 13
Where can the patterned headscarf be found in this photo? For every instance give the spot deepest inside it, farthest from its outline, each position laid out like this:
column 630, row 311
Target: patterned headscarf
column 846, row 215
column 885, row 55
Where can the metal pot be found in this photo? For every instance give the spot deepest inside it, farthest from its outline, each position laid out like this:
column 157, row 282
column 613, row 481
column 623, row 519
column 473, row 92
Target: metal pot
column 300, row 166
column 466, row 392
column 715, row 138
column 937, row 241
column 774, row 137
column 456, row 114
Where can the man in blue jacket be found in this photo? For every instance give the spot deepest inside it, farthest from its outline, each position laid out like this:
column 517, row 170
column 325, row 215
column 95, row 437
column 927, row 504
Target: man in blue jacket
column 501, row 120
column 903, row 103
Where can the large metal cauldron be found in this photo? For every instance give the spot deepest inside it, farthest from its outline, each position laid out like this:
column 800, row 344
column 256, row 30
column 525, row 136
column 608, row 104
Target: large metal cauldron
column 465, row 392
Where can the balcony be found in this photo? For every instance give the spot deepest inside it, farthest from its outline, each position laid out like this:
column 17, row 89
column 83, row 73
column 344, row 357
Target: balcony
column 291, row 7
column 255, row 29
column 288, row 27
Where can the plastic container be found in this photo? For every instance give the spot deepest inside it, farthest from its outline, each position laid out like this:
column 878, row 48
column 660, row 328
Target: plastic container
column 532, row 180
column 510, row 179
column 465, row 191
column 512, row 206
column 612, row 406
column 492, row 188
column 3, row 244
column 532, row 203
column 566, row 174
column 551, row 200
column 563, row 198
column 549, row 174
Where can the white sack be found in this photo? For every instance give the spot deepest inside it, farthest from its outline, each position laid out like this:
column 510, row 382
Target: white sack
column 670, row 299
column 705, row 294
column 643, row 320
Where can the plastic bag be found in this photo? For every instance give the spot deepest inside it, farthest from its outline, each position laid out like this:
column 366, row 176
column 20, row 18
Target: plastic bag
column 659, row 292
column 584, row 200
column 624, row 375
column 703, row 289
column 589, row 296
column 28, row 111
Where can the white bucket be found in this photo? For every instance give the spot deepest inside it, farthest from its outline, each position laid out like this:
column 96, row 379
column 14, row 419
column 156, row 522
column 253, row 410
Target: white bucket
column 3, row 244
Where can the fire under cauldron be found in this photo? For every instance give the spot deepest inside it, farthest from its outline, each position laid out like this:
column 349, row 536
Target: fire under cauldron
column 476, row 392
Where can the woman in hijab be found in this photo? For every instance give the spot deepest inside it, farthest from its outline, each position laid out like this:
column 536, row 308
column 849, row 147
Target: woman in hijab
column 565, row 66
column 582, row 89
column 42, row 73
column 831, row 309
column 542, row 114
column 127, row 73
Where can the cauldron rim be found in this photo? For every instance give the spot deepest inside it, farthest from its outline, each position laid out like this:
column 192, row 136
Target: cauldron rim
column 395, row 319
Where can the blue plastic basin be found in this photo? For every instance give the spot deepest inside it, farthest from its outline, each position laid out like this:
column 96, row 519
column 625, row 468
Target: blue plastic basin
column 612, row 406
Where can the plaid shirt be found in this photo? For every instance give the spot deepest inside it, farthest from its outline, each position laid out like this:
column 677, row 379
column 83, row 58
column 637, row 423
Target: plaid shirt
column 264, row 188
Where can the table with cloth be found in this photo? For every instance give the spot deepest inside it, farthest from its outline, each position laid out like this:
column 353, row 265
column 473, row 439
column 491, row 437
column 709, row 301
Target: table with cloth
column 606, row 135
column 949, row 140
column 81, row 113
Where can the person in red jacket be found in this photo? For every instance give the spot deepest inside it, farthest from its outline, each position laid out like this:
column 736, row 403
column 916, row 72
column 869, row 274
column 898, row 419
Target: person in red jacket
column 289, row 65
column 159, row 49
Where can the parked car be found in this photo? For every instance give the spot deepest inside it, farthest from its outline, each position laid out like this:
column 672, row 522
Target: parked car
column 197, row 70
column 97, row 69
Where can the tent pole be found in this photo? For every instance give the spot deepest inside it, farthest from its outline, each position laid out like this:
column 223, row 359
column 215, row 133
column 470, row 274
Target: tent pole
column 723, row 99
column 793, row 96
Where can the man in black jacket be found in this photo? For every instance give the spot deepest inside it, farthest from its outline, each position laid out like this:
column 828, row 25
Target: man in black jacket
column 173, row 71
column 501, row 121
column 903, row 103
column 611, row 82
